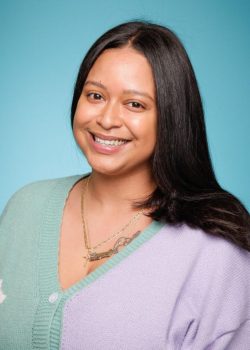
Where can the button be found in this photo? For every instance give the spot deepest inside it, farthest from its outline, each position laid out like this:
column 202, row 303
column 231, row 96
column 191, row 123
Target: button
column 53, row 297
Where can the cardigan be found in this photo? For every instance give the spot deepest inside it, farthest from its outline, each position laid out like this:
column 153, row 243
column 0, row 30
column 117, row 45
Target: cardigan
column 172, row 287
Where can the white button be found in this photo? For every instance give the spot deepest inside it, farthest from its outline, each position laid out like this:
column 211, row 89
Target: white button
column 53, row 297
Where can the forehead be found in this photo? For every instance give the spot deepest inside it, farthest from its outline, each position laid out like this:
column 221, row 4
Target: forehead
column 125, row 66
column 122, row 55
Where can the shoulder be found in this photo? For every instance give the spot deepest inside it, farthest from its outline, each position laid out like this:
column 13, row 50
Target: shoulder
column 34, row 194
column 203, row 246
column 209, row 265
column 220, row 262
column 215, row 276
column 42, row 186
column 201, row 260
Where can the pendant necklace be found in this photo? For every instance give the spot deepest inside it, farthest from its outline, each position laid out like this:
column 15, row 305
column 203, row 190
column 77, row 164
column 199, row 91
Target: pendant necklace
column 92, row 255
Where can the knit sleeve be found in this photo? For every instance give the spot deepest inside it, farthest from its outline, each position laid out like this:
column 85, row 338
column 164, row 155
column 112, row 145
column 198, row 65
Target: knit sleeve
column 235, row 339
column 6, row 208
column 14, row 204
column 220, row 295
column 23, row 202
column 7, row 216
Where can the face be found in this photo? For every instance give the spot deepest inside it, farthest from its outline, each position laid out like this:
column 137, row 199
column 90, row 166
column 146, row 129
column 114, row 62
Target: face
column 115, row 119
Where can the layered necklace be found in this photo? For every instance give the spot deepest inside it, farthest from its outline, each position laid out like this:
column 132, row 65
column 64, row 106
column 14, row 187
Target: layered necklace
column 92, row 255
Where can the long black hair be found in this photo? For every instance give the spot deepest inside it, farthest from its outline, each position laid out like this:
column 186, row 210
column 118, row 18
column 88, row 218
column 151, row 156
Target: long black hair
column 187, row 190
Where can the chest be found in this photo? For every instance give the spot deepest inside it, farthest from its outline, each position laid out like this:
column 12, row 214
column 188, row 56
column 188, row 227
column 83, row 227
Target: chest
column 105, row 239
column 73, row 265
column 131, row 307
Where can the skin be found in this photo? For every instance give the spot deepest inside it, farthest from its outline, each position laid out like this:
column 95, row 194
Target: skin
column 118, row 100
column 116, row 110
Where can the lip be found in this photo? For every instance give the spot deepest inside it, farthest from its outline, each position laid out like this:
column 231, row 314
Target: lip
column 108, row 137
column 104, row 149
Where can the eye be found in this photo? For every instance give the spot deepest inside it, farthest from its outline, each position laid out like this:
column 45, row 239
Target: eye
column 94, row 96
column 136, row 105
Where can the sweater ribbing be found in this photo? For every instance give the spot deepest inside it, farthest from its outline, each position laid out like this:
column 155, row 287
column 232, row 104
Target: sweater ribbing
column 196, row 288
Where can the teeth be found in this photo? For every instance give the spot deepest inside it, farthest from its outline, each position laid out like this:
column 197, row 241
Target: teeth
column 109, row 142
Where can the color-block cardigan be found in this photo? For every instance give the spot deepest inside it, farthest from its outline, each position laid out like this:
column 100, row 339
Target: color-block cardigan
column 170, row 288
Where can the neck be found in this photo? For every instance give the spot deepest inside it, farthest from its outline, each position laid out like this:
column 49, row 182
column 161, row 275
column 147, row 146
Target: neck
column 120, row 191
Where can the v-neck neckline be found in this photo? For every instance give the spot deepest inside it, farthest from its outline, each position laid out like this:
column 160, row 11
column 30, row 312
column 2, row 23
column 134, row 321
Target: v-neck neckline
column 52, row 297
column 50, row 241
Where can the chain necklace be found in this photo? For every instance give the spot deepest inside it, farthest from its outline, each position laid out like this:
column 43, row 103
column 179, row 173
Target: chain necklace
column 92, row 255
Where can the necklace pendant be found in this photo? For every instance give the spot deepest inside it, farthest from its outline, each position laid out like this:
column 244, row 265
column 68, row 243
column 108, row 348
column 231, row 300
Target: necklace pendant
column 98, row 256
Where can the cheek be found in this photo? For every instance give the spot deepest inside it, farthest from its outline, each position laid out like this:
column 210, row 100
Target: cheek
column 84, row 113
column 79, row 126
column 76, row 125
column 144, row 128
column 80, row 116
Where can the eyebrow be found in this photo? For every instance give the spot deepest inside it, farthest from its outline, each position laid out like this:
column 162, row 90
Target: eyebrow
column 127, row 91
column 96, row 83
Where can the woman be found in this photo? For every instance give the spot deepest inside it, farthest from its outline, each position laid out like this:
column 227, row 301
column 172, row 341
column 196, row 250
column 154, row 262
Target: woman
column 147, row 251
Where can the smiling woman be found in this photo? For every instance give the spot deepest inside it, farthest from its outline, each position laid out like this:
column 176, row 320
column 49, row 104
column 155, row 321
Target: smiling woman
column 137, row 254
column 116, row 114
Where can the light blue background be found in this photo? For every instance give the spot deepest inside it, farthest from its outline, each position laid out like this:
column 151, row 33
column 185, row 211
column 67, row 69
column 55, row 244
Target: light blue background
column 42, row 43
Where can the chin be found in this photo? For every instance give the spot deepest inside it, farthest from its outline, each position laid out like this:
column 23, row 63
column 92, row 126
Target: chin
column 118, row 171
column 104, row 166
column 118, row 167
column 106, row 170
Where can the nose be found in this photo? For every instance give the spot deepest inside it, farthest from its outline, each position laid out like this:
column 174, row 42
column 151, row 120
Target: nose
column 110, row 116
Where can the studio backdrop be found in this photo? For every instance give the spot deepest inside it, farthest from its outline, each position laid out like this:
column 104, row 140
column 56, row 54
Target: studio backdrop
column 42, row 45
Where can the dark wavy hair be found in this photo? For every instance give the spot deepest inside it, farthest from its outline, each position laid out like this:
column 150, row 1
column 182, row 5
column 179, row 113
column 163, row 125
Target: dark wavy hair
column 187, row 190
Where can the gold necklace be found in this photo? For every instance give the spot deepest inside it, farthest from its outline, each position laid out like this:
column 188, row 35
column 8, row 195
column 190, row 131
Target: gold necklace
column 92, row 255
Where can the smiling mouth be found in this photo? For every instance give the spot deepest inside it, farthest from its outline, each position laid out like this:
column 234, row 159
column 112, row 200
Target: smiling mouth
column 109, row 142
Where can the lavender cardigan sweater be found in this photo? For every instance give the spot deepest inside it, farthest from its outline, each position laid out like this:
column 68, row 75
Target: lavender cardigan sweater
column 171, row 288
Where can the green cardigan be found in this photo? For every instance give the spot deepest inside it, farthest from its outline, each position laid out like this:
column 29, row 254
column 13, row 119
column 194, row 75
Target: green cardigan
column 30, row 312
